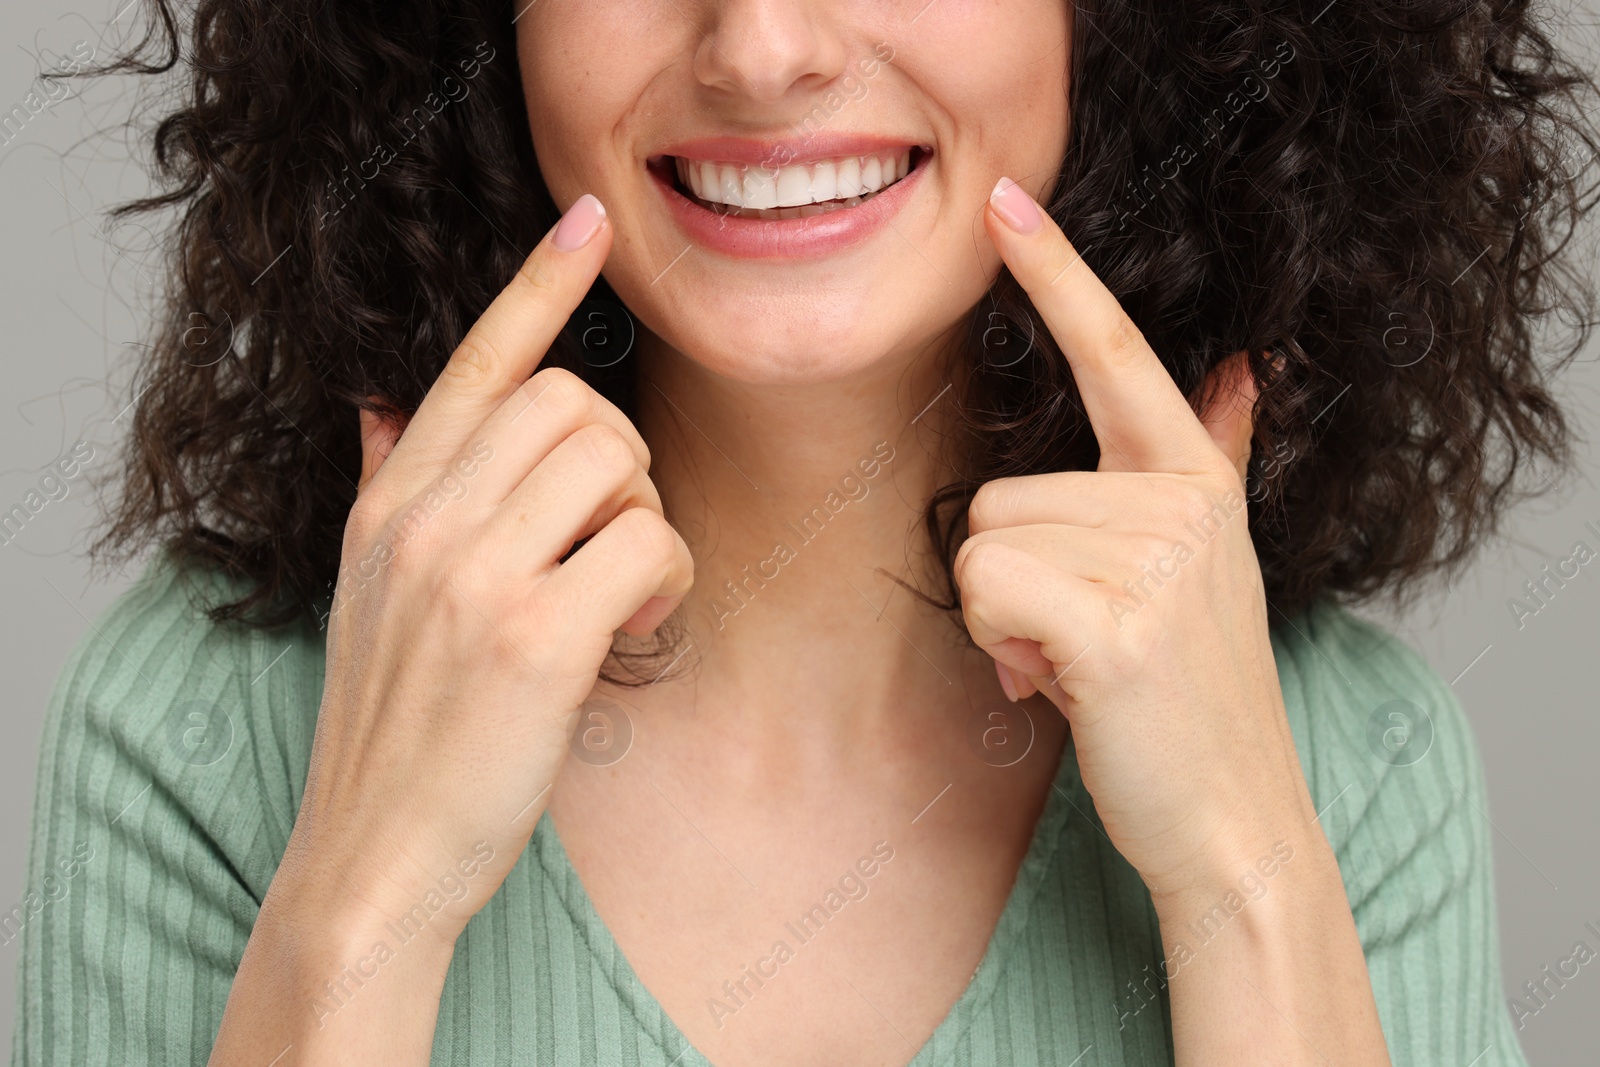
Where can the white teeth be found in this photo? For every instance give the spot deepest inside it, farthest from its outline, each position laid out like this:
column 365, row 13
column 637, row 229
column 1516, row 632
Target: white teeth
column 849, row 177
column 784, row 190
column 794, row 186
column 824, row 181
column 872, row 176
column 760, row 188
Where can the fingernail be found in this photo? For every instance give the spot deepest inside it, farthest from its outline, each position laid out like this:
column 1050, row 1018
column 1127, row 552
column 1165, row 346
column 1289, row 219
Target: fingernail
column 579, row 224
column 1005, row 681
column 1015, row 207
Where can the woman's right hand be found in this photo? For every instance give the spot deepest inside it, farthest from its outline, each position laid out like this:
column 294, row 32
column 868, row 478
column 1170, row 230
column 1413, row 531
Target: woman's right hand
column 460, row 645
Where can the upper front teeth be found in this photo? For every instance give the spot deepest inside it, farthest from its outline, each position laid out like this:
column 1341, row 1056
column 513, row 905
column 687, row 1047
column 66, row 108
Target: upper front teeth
column 743, row 186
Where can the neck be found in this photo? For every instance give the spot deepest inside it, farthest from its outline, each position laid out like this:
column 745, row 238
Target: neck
column 798, row 503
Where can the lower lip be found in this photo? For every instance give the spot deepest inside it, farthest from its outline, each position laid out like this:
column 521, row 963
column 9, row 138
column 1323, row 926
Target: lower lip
column 817, row 235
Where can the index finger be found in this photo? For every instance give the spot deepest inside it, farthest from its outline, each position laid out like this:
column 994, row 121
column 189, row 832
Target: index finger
column 503, row 348
column 1139, row 416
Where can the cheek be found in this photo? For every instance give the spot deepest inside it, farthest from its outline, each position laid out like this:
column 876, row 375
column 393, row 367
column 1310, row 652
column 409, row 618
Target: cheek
column 999, row 73
column 579, row 96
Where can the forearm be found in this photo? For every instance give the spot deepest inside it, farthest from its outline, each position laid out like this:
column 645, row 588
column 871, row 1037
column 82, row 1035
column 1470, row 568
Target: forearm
column 1273, row 973
column 320, row 987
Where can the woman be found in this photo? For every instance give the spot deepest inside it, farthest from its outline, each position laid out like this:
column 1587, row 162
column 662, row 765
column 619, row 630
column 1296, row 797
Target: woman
column 897, row 629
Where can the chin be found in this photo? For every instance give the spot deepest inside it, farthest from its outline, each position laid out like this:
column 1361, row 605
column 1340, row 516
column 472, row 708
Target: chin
column 792, row 338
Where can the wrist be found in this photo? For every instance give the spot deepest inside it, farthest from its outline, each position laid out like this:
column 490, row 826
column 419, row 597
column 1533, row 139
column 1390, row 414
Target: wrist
column 404, row 896
column 339, row 964
column 338, row 923
column 1277, row 955
column 1246, row 836
column 1251, row 893
column 327, row 978
column 330, row 929
column 333, row 914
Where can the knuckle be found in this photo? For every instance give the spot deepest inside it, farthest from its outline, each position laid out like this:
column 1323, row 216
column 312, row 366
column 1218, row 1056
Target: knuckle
column 561, row 394
column 474, row 361
column 988, row 505
column 1189, row 503
column 1141, row 554
column 533, row 280
column 551, row 375
column 608, row 450
column 643, row 449
column 1140, row 641
column 1222, row 469
column 366, row 516
column 978, row 600
column 1148, row 547
column 974, row 563
column 648, row 535
column 1124, row 344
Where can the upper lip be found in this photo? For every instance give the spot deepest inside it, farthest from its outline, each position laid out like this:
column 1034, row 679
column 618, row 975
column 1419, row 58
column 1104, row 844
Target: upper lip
column 786, row 150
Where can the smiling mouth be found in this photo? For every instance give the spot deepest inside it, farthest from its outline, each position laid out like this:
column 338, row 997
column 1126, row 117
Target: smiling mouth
column 799, row 190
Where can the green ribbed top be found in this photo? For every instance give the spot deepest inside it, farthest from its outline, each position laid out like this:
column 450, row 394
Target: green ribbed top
column 175, row 752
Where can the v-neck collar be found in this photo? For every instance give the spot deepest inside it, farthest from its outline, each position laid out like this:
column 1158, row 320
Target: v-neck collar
column 941, row 1044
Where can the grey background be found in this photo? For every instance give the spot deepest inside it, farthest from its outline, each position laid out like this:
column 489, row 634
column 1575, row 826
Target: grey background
column 74, row 292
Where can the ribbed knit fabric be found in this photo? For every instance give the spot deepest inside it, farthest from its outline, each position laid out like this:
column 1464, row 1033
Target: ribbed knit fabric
column 175, row 753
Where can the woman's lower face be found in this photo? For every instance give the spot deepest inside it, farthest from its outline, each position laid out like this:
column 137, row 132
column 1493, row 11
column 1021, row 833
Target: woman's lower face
column 796, row 187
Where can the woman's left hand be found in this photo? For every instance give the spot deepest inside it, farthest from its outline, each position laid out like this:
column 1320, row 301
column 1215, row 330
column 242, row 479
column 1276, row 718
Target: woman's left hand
column 1131, row 595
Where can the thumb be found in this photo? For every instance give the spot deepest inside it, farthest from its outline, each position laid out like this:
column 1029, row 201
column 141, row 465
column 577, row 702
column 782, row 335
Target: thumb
column 1229, row 397
column 378, row 437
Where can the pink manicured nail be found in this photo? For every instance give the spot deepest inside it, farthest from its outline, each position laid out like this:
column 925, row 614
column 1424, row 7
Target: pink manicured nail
column 1006, row 682
column 1012, row 203
column 579, row 224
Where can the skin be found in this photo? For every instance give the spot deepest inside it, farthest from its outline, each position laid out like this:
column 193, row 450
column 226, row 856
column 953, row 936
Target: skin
column 756, row 779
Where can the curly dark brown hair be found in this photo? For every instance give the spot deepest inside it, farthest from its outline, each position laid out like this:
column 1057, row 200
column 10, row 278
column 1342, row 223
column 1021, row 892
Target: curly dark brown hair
column 1374, row 200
